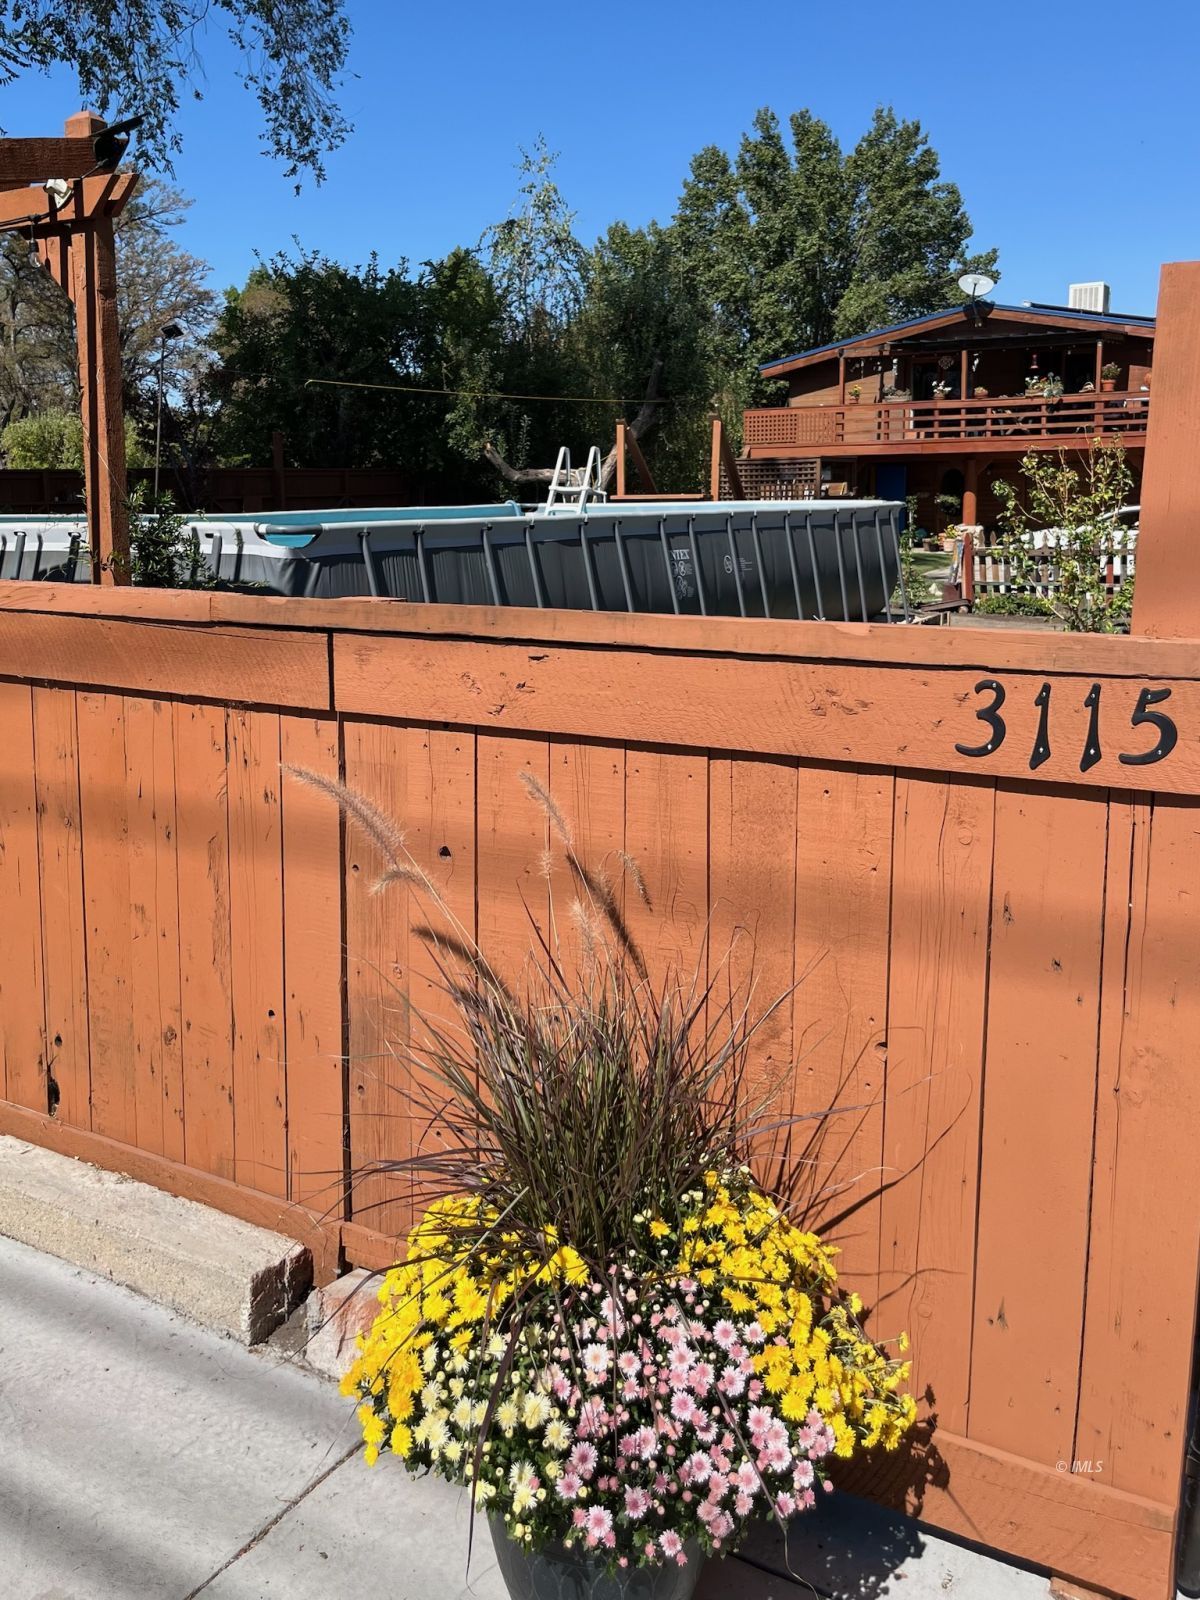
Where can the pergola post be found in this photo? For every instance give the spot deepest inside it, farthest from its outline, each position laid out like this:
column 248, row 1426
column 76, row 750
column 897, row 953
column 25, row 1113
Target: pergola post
column 72, row 227
column 94, row 293
column 1166, row 602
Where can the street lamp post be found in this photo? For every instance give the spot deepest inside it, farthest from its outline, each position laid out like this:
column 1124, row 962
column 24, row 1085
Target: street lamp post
column 171, row 331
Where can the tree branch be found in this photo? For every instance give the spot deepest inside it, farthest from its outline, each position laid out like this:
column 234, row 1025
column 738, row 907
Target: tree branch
column 639, row 427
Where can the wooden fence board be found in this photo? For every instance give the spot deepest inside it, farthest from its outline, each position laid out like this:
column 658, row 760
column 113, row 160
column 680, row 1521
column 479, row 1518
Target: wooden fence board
column 513, row 836
column 843, row 855
column 1112, row 1542
column 1138, row 1346
column 375, row 763
column 156, row 1008
column 587, row 784
column 834, row 711
column 1036, row 1155
column 22, row 1003
column 666, row 833
column 105, row 831
column 205, row 954
column 752, row 898
column 941, row 886
column 256, row 933
column 314, row 953
column 440, row 814
column 64, row 942
column 238, row 664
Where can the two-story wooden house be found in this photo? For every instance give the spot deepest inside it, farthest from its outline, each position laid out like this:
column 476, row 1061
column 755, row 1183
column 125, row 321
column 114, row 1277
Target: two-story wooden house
column 945, row 404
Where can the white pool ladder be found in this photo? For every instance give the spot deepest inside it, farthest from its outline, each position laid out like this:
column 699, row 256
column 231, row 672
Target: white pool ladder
column 571, row 488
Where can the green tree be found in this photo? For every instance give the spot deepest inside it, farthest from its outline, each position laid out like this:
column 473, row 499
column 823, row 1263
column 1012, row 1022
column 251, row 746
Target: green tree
column 796, row 244
column 141, row 56
column 642, row 324
column 537, row 264
column 308, row 318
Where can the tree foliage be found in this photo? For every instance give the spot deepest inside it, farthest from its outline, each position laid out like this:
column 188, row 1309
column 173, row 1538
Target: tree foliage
column 158, row 284
column 796, row 243
column 141, row 56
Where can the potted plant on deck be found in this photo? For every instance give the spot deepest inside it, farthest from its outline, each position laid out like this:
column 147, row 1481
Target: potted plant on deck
column 606, row 1328
column 1109, row 373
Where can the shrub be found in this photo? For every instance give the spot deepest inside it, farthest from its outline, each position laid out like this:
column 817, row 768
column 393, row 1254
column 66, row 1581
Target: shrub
column 1060, row 534
column 1013, row 605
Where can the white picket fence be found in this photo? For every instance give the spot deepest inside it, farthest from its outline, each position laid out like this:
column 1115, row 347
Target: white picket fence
column 993, row 573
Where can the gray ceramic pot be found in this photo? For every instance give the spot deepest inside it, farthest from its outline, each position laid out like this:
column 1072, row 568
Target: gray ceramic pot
column 557, row 1573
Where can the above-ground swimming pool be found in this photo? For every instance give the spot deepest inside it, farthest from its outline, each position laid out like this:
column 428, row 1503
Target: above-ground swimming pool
column 770, row 558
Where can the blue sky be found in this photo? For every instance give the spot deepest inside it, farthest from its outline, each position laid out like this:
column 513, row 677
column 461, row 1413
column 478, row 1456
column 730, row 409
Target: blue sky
column 1070, row 128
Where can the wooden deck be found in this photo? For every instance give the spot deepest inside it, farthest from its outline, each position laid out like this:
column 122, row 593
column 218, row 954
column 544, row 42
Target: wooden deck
column 946, row 427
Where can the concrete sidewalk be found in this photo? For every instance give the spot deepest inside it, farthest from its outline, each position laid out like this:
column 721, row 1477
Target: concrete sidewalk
column 144, row 1458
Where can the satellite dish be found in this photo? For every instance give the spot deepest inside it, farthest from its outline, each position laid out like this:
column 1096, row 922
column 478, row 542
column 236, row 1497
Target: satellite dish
column 976, row 284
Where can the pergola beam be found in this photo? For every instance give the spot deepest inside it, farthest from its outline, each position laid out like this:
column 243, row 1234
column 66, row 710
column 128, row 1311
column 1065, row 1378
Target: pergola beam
column 33, row 160
column 90, row 197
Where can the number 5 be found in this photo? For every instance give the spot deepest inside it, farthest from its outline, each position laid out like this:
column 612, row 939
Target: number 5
column 1168, row 733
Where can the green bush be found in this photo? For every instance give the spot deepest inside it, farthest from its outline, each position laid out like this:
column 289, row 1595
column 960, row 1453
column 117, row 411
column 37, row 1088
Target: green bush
column 1014, row 605
column 53, row 441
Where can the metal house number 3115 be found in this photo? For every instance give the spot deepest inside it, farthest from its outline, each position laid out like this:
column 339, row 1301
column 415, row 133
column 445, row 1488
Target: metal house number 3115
column 1142, row 715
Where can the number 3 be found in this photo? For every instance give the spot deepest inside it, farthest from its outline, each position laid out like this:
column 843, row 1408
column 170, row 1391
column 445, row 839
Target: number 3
column 990, row 715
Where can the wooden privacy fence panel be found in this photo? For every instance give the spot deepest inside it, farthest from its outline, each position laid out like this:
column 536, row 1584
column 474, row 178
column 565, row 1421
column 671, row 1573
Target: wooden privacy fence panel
column 988, row 916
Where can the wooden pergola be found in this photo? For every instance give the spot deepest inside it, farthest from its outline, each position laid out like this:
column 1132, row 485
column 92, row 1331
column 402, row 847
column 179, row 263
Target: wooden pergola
column 63, row 196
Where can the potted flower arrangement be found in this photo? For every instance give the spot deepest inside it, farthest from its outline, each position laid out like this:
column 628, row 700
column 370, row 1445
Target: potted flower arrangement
column 606, row 1328
column 854, row 394
column 1109, row 373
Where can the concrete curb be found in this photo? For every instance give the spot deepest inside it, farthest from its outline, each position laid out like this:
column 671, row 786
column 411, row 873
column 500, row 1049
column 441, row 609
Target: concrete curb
column 223, row 1273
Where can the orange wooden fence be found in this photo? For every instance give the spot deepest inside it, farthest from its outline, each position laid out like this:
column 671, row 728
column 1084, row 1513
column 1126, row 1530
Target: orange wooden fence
column 1003, row 960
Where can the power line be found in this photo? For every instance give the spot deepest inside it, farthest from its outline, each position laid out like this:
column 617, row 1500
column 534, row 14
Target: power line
column 482, row 394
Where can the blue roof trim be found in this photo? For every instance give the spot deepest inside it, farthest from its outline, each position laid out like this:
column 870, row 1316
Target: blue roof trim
column 1066, row 315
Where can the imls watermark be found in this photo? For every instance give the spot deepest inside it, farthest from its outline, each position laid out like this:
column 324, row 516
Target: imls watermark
column 1085, row 1464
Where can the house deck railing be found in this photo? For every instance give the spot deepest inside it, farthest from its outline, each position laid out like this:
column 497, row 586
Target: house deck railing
column 1005, row 421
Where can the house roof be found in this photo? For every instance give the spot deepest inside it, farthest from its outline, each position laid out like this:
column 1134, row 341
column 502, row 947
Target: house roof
column 1043, row 316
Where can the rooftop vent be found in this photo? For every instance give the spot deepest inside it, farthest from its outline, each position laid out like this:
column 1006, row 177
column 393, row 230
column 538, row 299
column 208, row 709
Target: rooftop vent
column 1088, row 297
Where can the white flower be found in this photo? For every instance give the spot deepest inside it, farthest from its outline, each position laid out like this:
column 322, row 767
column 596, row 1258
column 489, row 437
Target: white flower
column 535, row 1411
column 507, row 1415
column 524, row 1484
column 557, row 1435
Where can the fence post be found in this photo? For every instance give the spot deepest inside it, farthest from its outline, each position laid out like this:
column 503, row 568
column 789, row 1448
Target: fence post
column 1167, row 594
column 278, row 471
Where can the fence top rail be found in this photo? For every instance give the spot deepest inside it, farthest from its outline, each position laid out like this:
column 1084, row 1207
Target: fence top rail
column 878, row 644
column 1103, row 398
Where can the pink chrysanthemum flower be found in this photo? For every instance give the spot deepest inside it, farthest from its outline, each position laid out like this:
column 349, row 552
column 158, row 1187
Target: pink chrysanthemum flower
column 637, row 1503
column 599, row 1522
